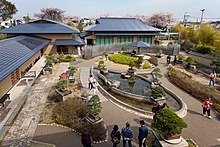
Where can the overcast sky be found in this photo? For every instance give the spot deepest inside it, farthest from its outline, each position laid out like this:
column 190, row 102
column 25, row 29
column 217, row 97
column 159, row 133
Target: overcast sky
column 87, row 8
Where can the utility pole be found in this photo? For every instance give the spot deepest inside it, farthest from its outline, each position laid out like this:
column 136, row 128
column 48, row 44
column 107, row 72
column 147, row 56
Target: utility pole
column 202, row 15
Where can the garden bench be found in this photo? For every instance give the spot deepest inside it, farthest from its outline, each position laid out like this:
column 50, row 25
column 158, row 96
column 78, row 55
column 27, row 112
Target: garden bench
column 4, row 98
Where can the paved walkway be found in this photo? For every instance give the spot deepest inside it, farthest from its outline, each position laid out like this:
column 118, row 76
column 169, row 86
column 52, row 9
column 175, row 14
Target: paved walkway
column 204, row 131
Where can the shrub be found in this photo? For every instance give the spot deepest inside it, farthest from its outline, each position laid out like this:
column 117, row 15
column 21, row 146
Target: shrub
column 62, row 84
column 204, row 49
column 146, row 65
column 67, row 58
column 167, row 122
column 94, row 105
column 153, row 60
column 71, row 113
column 181, row 57
column 187, row 45
column 190, row 60
column 158, row 92
column 122, row 59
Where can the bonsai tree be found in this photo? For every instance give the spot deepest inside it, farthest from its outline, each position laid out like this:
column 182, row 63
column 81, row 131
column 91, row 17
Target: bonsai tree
column 132, row 64
column 94, row 105
column 168, row 123
column 63, row 84
column 157, row 72
column 101, row 65
column 72, row 70
column 158, row 92
column 189, row 60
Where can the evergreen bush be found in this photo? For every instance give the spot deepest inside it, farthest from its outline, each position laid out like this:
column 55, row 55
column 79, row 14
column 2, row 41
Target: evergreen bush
column 167, row 122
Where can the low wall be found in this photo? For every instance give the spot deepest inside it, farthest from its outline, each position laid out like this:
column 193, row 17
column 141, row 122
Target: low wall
column 181, row 113
column 135, row 110
column 183, row 110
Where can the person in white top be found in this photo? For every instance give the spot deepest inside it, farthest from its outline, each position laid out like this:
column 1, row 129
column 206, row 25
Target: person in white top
column 95, row 86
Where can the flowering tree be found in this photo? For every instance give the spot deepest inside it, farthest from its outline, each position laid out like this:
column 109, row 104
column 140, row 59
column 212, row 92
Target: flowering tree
column 51, row 13
column 7, row 9
column 161, row 20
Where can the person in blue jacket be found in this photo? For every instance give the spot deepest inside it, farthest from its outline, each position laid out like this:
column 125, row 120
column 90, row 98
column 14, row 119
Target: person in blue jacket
column 143, row 133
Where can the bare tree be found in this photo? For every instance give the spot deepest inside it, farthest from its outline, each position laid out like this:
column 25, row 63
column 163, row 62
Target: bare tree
column 51, row 13
column 161, row 20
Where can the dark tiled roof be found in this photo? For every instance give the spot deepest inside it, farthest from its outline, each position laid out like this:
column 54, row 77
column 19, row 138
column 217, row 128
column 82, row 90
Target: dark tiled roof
column 17, row 50
column 70, row 42
column 42, row 26
column 121, row 24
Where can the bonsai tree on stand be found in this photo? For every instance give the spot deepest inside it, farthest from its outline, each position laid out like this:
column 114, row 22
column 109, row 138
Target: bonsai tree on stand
column 72, row 70
column 94, row 106
column 168, row 123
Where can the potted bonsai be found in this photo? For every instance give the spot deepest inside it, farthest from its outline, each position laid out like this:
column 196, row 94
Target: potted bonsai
column 72, row 70
column 131, row 70
column 158, row 92
column 168, row 123
column 102, row 67
column 181, row 57
column 94, row 108
column 189, row 60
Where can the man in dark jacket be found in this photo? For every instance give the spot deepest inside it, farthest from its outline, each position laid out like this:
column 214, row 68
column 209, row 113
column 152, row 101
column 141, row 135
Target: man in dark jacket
column 127, row 135
column 143, row 133
column 86, row 138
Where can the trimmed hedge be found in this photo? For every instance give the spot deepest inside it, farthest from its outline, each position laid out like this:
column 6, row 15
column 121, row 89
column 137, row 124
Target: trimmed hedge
column 195, row 88
column 122, row 59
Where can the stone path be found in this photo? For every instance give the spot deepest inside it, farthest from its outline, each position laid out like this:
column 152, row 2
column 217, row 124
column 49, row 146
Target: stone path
column 23, row 129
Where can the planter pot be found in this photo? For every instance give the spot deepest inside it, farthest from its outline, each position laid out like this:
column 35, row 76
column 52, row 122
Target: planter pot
column 103, row 71
column 131, row 72
column 172, row 137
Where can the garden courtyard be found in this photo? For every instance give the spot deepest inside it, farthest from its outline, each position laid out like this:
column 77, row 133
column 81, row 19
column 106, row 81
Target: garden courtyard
column 41, row 129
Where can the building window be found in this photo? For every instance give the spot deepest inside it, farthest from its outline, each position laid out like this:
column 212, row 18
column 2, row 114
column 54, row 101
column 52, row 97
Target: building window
column 125, row 39
column 102, row 40
column 147, row 39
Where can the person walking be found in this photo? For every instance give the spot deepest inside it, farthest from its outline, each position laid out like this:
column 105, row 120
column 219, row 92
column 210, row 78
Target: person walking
column 175, row 60
column 212, row 78
column 115, row 136
column 90, row 81
column 207, row 104
column 143, row 133
column 94, row 86
column 168, row 59
column 86, row 138
column 127, row 135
